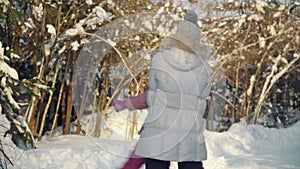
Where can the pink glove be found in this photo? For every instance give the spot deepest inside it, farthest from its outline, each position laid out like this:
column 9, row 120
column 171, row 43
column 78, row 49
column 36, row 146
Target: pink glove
column 132, row 103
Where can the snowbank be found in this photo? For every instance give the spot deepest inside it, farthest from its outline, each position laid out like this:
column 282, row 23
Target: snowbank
column 73, row 151
column 254, row 146
column 242, row 147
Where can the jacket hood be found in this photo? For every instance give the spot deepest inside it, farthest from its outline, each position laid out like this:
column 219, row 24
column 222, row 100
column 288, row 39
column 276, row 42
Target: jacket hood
column 181, row 60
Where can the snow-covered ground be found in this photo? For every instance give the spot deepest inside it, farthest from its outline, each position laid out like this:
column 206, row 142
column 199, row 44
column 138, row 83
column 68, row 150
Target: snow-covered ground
column 242, row 147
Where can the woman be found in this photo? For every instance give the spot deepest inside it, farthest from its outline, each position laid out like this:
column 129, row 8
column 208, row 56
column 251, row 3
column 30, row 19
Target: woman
column 179, row 83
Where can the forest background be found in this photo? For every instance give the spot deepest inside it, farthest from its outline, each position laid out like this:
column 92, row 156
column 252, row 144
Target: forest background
column 256, row 54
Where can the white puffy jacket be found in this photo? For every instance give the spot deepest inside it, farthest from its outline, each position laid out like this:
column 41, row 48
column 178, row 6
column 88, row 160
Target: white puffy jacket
column 173, row 130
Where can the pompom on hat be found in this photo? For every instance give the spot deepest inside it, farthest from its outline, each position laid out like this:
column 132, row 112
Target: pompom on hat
column 191, row 16
column 188, row 33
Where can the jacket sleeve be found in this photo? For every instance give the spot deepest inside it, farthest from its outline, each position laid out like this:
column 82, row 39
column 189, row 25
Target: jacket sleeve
column 207, row 88
column 152, row 82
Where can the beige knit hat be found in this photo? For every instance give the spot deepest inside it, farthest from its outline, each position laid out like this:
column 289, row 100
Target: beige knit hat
column 189, row 34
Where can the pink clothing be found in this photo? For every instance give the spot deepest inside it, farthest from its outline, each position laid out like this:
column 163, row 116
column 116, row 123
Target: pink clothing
column 134, row 162
column 132, row 103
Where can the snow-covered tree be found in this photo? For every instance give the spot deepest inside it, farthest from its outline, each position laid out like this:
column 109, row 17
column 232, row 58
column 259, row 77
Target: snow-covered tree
column 8, row 91
column 258, row 42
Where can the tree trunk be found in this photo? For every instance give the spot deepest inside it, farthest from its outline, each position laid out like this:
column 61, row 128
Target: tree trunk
column 68, row 116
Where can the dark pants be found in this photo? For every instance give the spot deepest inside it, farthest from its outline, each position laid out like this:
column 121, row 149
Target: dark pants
column 158, row 164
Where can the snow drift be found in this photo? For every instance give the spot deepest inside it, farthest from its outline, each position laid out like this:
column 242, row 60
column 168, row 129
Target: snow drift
column 242, row 146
